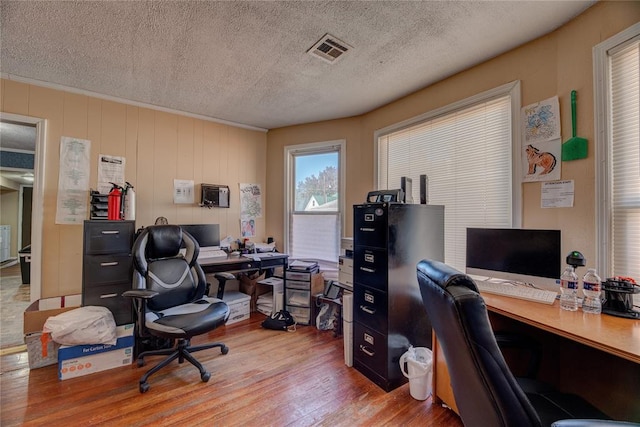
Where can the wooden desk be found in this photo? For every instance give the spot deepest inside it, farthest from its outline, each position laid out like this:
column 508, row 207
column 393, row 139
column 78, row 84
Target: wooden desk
column 613, row 379
column 249, row 262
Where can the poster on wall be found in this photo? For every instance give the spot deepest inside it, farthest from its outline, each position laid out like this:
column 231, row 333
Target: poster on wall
column 73, row 181
column 110, row 169
column 541, row 141
column 250, row 208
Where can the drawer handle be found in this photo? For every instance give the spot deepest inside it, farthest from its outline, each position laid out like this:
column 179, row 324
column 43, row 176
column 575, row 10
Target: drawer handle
column 109, row 264
column 368, row 270
column 108, row 295
column 110, row 232
column 367, row 309
column 366, row 350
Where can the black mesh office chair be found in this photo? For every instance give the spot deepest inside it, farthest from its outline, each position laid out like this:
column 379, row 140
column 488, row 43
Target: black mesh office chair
column 486, row 392
column 169, row 296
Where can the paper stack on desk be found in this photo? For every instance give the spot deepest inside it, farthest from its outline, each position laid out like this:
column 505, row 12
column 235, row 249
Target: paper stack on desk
column 300, row 265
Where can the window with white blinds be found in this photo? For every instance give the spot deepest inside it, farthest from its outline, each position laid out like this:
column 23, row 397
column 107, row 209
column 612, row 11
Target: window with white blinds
column 618, row 74
column 467, row 155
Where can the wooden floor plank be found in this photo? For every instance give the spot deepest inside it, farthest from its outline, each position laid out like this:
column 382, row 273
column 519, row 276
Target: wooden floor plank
column 269, row 378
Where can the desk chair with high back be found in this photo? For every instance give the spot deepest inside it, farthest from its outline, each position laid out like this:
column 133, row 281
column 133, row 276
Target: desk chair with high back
column 169, row 296
column 486, row 392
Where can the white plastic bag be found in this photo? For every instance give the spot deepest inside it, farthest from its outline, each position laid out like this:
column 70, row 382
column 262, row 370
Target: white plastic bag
column 83, row 325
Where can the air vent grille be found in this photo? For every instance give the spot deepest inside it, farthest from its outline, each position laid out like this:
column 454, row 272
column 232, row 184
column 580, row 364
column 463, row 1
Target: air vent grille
column 329, row 49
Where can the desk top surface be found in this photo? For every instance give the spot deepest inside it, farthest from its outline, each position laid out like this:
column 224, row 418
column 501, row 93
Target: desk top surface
column 239, row 259
column 615, row 335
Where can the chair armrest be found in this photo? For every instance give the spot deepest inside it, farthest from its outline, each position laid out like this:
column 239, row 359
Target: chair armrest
column 592, row 423
column 140, row 293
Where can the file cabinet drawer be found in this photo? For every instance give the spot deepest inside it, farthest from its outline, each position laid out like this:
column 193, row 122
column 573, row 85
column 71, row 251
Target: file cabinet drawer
column 111, row 297
column 107, row 237
column 370, row 308
column 301, row 315
column 370, row 348
column 298, row 298
column 370, row 225
column 370, row 267
column 107, row 269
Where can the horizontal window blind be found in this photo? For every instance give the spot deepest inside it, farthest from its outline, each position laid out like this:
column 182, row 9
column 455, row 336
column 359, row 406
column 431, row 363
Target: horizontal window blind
column 466, row 155
column 625, row 160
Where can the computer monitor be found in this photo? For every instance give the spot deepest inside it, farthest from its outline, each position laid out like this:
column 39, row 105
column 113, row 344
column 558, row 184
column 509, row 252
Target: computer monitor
column 532, row 256
column 205, row 234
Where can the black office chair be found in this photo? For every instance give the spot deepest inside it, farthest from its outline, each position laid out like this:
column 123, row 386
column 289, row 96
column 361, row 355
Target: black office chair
column 486, row 392
column 169, row 297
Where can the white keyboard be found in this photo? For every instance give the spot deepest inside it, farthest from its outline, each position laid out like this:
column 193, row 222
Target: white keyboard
column 208, row 254
column 514, row 291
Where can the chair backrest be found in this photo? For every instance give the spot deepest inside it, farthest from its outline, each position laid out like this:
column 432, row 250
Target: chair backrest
column 486, row 392
column 159, row 266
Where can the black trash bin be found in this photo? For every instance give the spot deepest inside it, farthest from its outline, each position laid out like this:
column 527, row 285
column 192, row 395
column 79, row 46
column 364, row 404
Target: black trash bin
column 25, row 264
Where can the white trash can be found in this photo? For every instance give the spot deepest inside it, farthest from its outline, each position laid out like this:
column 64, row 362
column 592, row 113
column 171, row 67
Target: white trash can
column 417, row 365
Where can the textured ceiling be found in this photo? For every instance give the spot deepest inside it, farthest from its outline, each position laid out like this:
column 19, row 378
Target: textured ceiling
column 245, row 62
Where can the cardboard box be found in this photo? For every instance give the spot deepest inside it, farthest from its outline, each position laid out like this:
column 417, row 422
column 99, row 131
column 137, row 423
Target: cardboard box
column 79, row 360
column 239, row 306
column 34, row 317
column 41, row 350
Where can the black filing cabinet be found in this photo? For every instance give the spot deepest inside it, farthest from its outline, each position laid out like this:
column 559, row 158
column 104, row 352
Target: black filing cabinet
column 107, row 267
column 389, row 241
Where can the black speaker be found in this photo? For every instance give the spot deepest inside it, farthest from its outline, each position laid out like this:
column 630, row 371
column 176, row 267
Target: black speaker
column 424, row 189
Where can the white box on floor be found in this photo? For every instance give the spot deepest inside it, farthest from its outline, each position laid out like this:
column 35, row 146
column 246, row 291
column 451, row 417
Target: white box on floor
column 239, row 306
column 78, row 360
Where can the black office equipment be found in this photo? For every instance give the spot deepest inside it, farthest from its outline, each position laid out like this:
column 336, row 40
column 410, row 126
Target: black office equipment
column 388, row 315
column 107, row 266
column 486, row 392
column 205, row 234
column 385, row 196
column 424, row 189
column 170, row 300
column 406, row 185
column 618, row 293
column 214, row 196
column 529, row 256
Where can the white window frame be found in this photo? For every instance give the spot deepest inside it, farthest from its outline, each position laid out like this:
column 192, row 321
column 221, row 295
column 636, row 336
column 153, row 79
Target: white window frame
column 289, row 183
column 602, row 138
column 512, row 90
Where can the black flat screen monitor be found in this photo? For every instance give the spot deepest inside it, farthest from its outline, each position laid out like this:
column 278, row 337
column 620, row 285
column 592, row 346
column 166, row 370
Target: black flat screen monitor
column 205, row 234
column 532, row 256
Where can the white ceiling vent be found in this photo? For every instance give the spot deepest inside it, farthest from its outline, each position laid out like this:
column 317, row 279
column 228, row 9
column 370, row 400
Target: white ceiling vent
column 329, row 49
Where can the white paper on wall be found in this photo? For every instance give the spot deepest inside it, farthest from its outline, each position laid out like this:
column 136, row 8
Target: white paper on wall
column 73, row 181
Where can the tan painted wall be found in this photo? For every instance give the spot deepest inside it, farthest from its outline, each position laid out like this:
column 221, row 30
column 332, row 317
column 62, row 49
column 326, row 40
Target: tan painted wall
column 158, row 146
column 552, row 65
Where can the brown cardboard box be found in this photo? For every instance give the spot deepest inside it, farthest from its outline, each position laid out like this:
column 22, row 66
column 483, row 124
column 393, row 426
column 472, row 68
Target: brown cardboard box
column 40, row 355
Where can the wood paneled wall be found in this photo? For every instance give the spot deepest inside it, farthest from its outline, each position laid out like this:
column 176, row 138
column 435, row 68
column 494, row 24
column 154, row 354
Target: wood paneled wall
column 158, row 146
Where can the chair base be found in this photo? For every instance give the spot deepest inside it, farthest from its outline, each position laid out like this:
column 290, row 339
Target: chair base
column 182, row 351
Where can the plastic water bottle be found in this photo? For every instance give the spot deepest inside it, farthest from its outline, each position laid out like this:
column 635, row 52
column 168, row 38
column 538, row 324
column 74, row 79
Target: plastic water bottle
column 592, row 288
column 569, row 289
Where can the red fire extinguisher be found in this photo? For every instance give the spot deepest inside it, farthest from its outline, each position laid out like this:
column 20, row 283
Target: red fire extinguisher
column 114, row 201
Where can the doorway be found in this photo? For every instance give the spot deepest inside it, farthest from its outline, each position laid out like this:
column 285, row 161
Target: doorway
column 22, row 147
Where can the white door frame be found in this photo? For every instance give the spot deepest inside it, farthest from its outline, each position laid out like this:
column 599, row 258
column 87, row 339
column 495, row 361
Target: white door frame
column 38, row 199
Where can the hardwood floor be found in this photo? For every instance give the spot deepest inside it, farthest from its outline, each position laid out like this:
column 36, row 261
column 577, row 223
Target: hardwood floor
column 268, row 378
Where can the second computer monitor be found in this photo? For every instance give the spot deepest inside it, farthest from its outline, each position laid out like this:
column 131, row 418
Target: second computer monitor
column 206, row 235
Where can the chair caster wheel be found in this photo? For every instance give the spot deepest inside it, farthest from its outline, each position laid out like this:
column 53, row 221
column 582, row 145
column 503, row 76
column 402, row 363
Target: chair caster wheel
column 144, row 387
column 205, row 377
column 224, row 350
column 140, row 363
